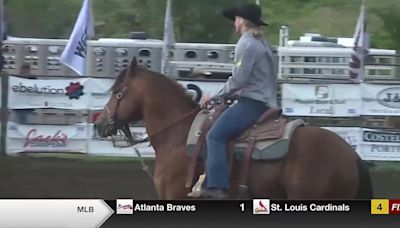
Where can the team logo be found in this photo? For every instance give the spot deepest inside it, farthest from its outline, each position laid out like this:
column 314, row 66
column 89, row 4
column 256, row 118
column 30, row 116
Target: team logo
column 74, row 90
column 261, row 206
column 124, row 206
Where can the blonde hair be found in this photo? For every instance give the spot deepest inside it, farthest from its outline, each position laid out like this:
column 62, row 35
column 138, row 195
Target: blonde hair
column 253, row 29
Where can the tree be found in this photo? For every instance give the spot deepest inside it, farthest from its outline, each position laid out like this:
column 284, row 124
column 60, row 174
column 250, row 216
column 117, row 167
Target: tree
column 391, row 24
column 41, row 18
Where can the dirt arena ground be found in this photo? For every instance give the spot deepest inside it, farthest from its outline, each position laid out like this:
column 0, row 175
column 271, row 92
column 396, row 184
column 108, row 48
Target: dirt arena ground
column 112, row 178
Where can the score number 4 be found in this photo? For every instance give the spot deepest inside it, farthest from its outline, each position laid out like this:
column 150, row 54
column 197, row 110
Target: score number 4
column 380, row 206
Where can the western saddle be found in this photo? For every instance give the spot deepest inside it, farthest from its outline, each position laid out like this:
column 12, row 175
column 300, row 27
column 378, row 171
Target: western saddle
column 270, row 125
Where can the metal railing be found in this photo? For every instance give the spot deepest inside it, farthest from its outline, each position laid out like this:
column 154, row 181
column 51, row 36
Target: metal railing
column 314, row 65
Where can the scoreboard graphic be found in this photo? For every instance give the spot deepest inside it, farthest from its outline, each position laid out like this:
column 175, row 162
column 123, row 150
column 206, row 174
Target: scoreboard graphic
column 385, row 207
column 204, row 213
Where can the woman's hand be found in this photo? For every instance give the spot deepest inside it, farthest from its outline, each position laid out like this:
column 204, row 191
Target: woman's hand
column 204, row 101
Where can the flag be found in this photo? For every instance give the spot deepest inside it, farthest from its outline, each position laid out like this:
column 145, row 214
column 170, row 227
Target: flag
column 360, row 48
column 74, row 54
column 169, row 38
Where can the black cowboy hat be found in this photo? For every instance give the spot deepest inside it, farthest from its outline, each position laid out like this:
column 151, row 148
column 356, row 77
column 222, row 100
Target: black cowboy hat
column 250, row 11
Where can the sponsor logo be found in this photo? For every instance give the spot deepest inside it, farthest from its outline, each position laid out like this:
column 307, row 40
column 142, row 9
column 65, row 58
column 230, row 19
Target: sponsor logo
column 35, row 89
column 376, row 136
column 73, row 91
column 195, row 91
column 34, row 139
column 80, row 128
column 389, row 97
column 124, row 206
column 288, row 110
column 261, row 206
column 351, row 111
column 321, row 92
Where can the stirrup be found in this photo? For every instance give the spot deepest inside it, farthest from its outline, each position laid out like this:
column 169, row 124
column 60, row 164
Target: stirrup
column 196, row 190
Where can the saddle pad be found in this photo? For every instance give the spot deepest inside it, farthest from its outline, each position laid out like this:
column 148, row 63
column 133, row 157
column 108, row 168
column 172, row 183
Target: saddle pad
column 263, row 150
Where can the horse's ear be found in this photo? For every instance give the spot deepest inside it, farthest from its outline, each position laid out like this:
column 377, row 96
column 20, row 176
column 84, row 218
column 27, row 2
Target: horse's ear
column 132, row 67
column 133, row 63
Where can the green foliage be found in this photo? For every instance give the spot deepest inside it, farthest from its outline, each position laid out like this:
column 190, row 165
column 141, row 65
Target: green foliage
column 201, row 21
column 391, row 27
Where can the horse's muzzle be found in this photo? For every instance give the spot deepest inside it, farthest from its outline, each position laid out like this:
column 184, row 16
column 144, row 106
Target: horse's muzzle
column 105, row 130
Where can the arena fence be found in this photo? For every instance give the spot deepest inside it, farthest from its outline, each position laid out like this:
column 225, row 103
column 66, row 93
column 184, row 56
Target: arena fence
column 56, row 115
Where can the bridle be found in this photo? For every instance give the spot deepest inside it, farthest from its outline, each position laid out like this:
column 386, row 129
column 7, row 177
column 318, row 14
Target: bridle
column 113, row 115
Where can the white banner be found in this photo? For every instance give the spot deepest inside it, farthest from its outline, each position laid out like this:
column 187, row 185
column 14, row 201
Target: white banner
column 198, row 89
column 371, row 144
column 56, row 93
column 47, row 138
column 336, row 100
column 380, row 100
column 80, row 94
column 352, row 135
column 100, row 94
column 104, row 147
column 380, row 145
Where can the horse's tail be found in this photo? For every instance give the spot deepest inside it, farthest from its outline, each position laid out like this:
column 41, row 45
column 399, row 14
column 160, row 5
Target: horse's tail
column 365, row 190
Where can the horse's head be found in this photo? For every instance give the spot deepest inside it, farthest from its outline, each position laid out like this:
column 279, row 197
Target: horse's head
column 124, row 105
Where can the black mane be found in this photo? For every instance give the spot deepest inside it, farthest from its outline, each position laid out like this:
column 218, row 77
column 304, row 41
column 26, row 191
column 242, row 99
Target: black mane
column 173, row 83
column 118, row 80
column 162, row 79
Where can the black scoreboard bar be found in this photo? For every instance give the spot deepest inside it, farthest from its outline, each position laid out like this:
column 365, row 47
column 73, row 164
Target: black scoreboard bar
column 253, row 213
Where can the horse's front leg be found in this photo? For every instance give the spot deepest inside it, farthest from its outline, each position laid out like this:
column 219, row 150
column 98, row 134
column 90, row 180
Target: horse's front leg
column 170, row 187
column 160, row 187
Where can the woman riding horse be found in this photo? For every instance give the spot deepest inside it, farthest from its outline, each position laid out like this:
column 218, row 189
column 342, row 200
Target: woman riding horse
column 254, row 81
column 318, row 164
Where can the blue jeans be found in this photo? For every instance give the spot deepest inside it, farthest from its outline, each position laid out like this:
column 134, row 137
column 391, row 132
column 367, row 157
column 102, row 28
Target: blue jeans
column 231, row 124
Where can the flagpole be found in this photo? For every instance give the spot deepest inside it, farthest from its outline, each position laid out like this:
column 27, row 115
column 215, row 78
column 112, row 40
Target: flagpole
column 4, row 89
column 360, row 48
column 168, row 39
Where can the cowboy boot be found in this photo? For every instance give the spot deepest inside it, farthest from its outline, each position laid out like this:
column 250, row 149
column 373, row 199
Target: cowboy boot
column 215, row 193
column 197, row 188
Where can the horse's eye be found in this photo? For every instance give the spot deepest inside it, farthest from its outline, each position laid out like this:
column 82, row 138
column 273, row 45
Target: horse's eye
column 119, row 95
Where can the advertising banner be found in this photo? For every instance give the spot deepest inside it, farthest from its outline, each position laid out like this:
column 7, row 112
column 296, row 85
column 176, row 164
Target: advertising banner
column 380, row 145
column 335, row 100
column 46, row 138
column 352, row 135
column 198, row 89
column 100, row 93
column 105, row 147
column 56, row 93
column 380, row 100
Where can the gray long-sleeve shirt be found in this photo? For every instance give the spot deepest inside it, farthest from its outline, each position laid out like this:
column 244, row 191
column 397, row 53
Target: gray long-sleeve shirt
column 253, row 74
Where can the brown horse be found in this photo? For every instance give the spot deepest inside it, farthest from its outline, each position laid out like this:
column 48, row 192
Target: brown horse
column 318, row 165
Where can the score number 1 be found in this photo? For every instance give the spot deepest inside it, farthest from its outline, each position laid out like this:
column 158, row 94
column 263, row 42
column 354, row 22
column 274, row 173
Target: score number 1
column 242, row 206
